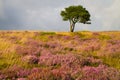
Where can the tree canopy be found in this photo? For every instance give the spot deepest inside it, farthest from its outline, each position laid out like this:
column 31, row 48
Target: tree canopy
column 75, row 14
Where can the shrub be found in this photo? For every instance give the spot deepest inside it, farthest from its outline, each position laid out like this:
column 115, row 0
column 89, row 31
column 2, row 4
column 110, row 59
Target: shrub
column 14, row 72
column 61, row 75
column 100, row 73
column 41, row 74
column 111, row 49
column 71, row 60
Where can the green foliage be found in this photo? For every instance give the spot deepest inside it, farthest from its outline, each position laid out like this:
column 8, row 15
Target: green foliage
column 75, row 14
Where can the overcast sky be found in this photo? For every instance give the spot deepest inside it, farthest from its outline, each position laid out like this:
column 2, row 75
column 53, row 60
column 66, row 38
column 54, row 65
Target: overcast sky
column 45, row 15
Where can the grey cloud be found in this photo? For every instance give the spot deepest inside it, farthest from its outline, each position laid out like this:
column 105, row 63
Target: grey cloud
column 105, row 14
column 1, row 9
column 31, row 14
column 45, row 15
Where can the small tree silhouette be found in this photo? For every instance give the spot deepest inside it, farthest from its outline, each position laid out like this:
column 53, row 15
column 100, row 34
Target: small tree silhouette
column 76, row 14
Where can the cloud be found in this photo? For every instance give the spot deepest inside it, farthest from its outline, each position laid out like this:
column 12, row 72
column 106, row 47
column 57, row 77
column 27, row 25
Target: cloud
column 45, row 14
column 1, row 10
column 112, row 16
column 105, row 14
column 30, row 14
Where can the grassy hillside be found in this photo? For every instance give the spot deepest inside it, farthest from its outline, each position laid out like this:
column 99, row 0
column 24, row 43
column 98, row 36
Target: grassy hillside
column 59, row 55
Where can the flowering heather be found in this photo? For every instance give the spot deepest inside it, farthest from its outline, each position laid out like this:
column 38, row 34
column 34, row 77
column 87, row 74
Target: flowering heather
column 31, row 47
column 112, row 49
column 59, row 59
column 59, row 55
column 43, row 74
column 14, row 72
column 100, row 73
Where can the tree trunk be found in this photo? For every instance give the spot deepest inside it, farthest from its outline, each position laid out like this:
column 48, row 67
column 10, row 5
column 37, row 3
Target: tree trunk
column 72, row 26
column 71, row 30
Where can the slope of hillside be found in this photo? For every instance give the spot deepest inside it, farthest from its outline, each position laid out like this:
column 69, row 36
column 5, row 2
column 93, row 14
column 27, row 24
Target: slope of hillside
column 59, row 55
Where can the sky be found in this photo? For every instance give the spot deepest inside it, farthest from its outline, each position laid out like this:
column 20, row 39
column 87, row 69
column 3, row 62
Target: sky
column 45, row 15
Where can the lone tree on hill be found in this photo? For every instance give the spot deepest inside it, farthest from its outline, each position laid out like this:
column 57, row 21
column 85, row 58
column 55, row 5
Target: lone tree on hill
column 76, row 14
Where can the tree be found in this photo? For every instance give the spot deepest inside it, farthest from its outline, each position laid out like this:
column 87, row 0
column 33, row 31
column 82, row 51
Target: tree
column 75, row 14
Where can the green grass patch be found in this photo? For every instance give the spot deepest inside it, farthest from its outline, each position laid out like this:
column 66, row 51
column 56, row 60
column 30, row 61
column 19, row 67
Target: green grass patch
column 82, row 35
column 104, row 37
column 47, row 33
column 44, row 36
column 113, row 62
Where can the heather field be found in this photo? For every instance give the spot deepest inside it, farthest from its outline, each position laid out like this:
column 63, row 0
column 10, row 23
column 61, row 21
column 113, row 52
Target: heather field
column 32, row 55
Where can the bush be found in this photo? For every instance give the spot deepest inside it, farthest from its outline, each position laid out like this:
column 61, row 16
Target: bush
column 41, row 74
column 100, row 73
column 14, row 72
